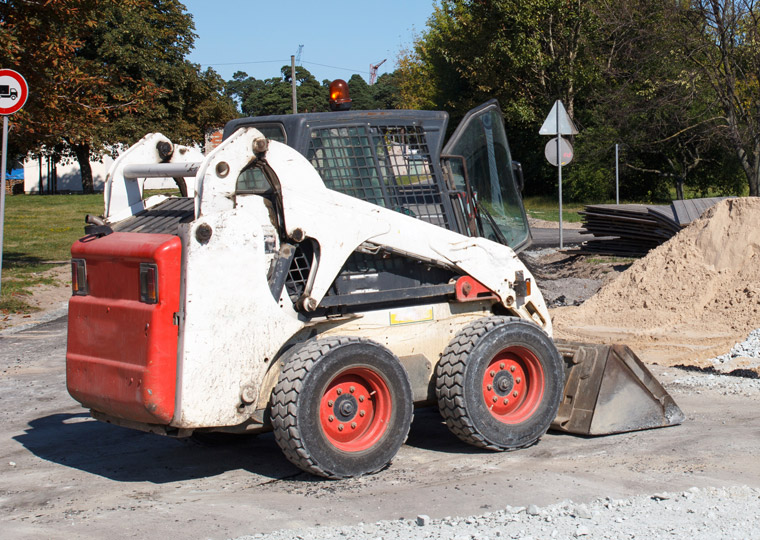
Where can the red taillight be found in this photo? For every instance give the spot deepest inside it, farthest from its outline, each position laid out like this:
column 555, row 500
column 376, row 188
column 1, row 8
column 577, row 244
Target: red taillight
column 148, row 283
column 78, row 277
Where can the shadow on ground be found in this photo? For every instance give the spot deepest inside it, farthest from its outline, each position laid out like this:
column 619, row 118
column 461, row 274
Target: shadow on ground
column 125, row 455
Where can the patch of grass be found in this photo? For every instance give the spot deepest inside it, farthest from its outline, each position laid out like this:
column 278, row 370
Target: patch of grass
column 547, row 208
column 38, row 233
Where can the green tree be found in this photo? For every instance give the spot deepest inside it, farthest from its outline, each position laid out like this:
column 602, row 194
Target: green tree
column 386, row 91
column 258, row 97
column 117, row 69
column 719, row 38
column 362, row 97
column 311, row 95
column 656, row 102
column 524, row 53
column 628, row 71
column 652, row 102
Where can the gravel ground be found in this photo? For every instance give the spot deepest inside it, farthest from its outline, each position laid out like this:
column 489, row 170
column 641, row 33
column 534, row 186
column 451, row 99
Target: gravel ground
column 727, row 384
column 749, row 348
column 696, row 514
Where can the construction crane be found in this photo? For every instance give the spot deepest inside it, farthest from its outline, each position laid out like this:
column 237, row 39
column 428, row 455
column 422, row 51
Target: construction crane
column 373, row 71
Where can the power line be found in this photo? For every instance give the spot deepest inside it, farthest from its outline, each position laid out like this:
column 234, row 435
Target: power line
column 283, row 62
column 244, row 63
column 337, row 67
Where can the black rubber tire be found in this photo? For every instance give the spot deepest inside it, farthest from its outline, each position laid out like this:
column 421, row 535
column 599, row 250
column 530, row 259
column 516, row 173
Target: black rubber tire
column 307, row 372
column 461, row 371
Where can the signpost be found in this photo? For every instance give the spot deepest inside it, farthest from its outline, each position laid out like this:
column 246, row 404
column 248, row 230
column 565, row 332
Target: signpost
column 13, row 94
column 559, row 123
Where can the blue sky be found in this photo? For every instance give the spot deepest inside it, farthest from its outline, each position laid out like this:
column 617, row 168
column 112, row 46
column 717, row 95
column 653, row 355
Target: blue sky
column 340, row 38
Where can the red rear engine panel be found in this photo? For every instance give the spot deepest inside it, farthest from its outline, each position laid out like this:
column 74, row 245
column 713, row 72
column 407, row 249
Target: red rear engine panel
column 121, row 357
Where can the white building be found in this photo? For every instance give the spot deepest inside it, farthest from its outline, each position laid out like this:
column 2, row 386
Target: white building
column 69, row 176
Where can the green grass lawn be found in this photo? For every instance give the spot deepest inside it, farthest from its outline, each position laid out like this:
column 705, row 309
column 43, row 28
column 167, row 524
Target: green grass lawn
column 547, row 209
column 38, row 233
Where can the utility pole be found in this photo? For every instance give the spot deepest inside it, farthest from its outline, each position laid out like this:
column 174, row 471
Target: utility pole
column 617, row 176
column 293, row 82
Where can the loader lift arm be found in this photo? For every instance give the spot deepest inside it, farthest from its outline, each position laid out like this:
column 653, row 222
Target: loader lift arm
column 340, row 224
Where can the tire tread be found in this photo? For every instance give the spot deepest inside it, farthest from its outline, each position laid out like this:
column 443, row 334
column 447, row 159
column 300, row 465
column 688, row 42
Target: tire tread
column 449, row 383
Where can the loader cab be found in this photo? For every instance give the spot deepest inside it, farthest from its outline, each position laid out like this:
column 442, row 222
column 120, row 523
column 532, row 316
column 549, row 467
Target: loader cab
column 397, row 159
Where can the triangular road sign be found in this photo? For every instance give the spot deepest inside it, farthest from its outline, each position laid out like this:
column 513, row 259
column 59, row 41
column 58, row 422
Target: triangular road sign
column 566, row 126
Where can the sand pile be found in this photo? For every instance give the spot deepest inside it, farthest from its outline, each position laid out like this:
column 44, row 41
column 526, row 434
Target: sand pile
column 688, row 300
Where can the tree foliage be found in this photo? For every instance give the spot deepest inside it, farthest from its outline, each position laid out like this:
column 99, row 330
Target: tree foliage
column 720, row 40
column 258, row 97
column 104, row 72
column 675, row 83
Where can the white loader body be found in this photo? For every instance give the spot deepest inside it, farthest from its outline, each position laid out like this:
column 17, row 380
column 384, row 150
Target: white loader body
column 232, row 329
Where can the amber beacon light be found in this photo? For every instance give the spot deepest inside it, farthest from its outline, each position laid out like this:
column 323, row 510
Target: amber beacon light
column 339, row 97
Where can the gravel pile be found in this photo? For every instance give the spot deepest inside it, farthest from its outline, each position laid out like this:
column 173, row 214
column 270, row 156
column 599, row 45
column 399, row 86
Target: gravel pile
column 727, row 385
column 695, row 514
column 749, row 348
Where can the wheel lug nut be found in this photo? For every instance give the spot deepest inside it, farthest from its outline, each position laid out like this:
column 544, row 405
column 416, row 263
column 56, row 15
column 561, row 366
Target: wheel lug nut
column 330, row 418
column 501, row 366
column 353, row 425
column 506, row 401
column 495, row 399
column 514, row 393
column 340, row 427
column 512, row 369
column 492, row 374
column 518, row 380
column 330, row 403
column 362, row 413
column 489, row 387
column 339, row 391
column 361, row 399
column 352, row 389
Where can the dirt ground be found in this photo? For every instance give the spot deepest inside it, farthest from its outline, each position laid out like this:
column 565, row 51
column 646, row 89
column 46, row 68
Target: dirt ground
column 65, row 475
column 50, row 300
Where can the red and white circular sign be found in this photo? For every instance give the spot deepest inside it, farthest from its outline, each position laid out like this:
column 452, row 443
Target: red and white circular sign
column 13, row 91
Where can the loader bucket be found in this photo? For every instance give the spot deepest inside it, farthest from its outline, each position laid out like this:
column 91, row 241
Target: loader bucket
column 608, row 389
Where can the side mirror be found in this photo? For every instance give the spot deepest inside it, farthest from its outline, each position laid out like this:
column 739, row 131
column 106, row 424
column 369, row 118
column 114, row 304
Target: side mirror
column 518, row 172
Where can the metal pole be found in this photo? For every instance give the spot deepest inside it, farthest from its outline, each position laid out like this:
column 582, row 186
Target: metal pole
column 559, row 163
column 293, row 82
column 617, row 177
column 2, row 193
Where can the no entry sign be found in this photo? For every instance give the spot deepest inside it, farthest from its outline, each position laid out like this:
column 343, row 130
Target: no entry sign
column 13, row 91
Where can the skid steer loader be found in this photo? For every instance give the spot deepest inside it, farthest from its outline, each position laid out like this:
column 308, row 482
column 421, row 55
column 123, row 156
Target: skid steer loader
column 328, row 273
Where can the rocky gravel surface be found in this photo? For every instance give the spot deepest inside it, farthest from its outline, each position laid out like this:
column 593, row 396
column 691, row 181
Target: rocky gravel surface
column 749, row 348
column 696, row 514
